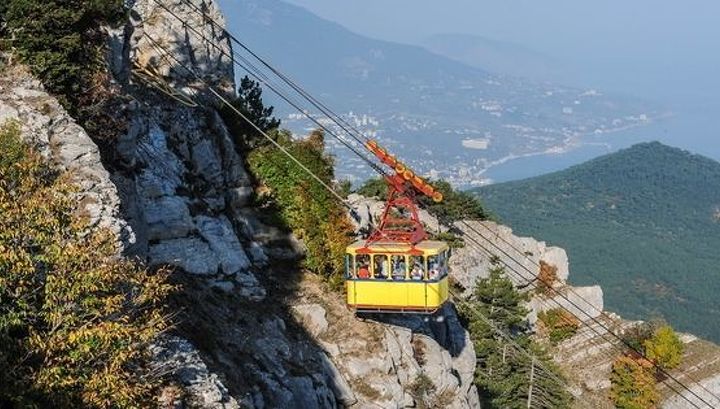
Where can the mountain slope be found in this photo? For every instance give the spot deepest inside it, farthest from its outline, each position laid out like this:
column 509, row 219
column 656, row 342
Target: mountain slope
column 643, row 222
column 446, row 118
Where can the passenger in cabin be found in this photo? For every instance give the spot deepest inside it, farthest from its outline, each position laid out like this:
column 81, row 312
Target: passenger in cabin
column 363, row 266
column 364, row 271
column 434, row 270
column 398, row 272
column 417, row 272
column 380, row 267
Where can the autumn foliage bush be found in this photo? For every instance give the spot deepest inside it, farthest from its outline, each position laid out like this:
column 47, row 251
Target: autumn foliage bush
column 633, row 384
column 75, row 319
column 635, row 375
column 547, row 278
column 559, row 324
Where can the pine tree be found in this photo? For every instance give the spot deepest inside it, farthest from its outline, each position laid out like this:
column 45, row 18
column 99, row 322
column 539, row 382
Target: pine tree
column 503, row 372
column 249, row 101
column 498, row 299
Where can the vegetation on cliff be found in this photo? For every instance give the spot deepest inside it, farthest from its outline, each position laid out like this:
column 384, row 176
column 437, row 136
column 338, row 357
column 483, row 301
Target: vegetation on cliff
column 503, row 374
column 634, row 377
column 558, row 324
column 289, row 196
column 632, row 384
column 313, row 214
column 644, row 223
column 63, row 43
column 75, row 321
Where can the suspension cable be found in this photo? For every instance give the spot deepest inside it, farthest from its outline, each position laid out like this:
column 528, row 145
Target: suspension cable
column 315, row 102
column 243, row 116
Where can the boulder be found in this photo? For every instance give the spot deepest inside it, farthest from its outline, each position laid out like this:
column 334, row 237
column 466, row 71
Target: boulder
column 190, row 254
column 313, row 318
column 167, row 217
column 178, row 358
column 341, row 389
column 224, row 243
column 557, row 257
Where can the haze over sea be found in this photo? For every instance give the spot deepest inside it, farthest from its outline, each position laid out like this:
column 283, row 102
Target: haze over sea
column 659, row 50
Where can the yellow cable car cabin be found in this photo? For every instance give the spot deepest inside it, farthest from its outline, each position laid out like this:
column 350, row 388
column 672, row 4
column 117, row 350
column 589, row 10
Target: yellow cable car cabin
column 397, row 277
column 396, row 269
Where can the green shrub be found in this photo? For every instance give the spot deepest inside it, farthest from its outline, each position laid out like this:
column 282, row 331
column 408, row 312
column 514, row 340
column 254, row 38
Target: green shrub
column 452, row 239
column 374, row 187
column 63, row 44
column 75, row 321
column 664, row 347
column 307, row 208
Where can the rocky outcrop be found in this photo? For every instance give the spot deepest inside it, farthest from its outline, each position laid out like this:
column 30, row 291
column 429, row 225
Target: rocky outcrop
column 55, row 134
column 180, row 359
column 385, row 358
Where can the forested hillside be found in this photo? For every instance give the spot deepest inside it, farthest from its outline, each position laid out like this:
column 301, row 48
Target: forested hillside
column 643, row 222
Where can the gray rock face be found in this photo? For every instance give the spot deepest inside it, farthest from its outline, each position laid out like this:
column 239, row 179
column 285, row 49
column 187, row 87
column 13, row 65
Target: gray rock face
column 179, row 358
column 708, row 391
column 155, row 24
column 190, row 254
column 313, row 318
column 583, row 302
column 167, row 217
column 224, row 243
column 522, row 254
column 383, row 367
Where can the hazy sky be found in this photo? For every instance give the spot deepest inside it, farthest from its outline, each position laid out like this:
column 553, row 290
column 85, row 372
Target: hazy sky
column 669, row 50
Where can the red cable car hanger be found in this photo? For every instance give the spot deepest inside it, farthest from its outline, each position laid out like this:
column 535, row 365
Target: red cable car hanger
column 400, row 222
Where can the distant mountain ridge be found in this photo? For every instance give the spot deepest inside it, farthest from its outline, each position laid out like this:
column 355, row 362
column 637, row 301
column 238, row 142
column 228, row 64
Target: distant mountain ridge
column 643, row 222
column 495, row 56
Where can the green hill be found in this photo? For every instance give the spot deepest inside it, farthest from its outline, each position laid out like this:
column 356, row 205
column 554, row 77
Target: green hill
column 643, row 222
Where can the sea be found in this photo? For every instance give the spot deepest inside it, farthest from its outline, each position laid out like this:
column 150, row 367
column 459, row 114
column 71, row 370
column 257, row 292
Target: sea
column 695, row 131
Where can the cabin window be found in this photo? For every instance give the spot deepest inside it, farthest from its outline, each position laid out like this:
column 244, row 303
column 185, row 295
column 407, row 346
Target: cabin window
column 380, row 266
column 436, row 265
column 362, row 266
column 399, row 267
column 444, row 261
column 417, row 267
